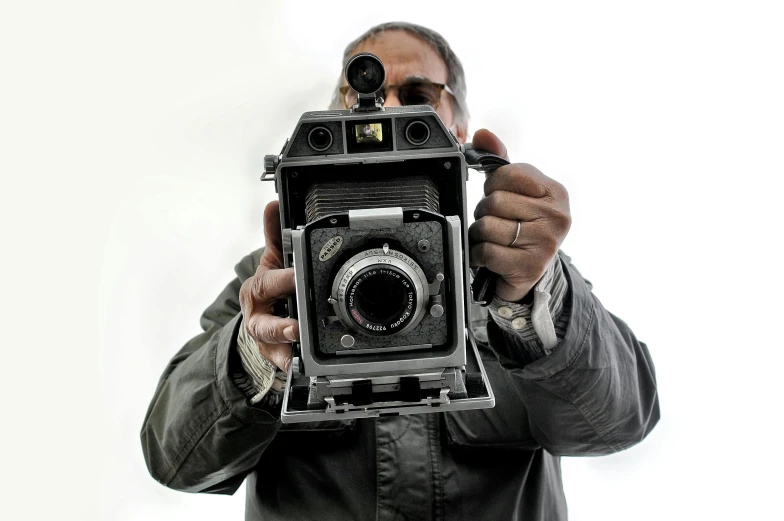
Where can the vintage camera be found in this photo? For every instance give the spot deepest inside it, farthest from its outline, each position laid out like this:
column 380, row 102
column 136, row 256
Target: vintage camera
column 373, row 211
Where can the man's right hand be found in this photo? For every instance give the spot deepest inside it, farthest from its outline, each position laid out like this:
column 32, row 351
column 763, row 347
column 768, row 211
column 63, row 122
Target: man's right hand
column 258, row 294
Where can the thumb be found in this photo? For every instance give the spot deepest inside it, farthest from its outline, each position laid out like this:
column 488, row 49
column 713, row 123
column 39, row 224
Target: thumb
column 489, row 142
column 273, row 247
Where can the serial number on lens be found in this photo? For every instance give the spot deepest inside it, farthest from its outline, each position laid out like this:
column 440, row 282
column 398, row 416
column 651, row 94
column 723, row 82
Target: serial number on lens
column 373, row 327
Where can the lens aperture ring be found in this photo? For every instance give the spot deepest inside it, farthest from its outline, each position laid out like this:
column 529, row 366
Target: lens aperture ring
column 371, row 292
column 381, row 300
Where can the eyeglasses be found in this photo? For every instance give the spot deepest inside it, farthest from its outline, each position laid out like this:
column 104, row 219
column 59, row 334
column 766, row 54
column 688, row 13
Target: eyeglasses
column 418, row 92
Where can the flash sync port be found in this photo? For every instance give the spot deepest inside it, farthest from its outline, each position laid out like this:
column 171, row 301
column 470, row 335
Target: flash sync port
column 417, row 132
column 320, row 139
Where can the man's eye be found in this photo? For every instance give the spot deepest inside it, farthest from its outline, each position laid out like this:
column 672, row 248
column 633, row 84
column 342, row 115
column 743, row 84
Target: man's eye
column 418, row 95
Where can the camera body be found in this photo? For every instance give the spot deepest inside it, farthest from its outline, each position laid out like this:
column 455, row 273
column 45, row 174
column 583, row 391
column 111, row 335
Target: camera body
column 374, row 223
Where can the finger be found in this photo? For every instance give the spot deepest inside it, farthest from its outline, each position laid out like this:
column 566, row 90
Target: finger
column 272, row 258
column 512, row 206
column 278, row 354
column 520, row 178
column 515, row 267
column 485, row 140
column 267, row 286
column 494, row 229
column 270, row 329
column 498, row 259
column 506, row 262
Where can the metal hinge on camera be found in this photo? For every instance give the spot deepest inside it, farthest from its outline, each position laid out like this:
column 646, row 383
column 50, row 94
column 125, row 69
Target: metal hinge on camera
column 286, row 243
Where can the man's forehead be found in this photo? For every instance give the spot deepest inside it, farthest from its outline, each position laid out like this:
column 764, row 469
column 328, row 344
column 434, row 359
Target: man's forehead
column 405, row 56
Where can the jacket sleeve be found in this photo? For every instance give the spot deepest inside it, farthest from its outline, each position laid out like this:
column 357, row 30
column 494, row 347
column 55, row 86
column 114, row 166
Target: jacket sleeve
column 596, row 392
column 200, row 433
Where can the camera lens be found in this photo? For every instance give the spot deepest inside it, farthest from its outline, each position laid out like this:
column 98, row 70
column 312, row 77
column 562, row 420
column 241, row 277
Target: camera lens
column 417, row 132
column 365, row 73
column 320, row 139
column 380, row 292
column 381, row 300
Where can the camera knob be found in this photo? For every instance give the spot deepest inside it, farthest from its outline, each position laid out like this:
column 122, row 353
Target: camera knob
column 271, row 162
column 436, row 310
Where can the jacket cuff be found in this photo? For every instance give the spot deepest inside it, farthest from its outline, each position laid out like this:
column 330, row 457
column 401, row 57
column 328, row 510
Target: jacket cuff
column 259, row 372
column 227, row 363
column 534, row 328
column 579, row 321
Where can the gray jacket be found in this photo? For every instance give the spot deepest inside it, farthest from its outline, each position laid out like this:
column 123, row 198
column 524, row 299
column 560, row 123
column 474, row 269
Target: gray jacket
column 595, row 394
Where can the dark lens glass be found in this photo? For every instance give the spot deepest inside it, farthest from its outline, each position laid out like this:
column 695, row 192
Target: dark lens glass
column 417, row 132
column 365, row 74
column 382, row 298
column 418, row 94
column 320, row 139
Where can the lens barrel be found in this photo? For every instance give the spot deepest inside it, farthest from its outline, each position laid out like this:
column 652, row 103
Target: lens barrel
column 380, row 292
column 365, row 73
column 381, row 300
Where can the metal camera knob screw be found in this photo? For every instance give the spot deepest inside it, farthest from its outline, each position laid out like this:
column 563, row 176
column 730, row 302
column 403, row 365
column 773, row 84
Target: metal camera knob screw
column 347, row 341
column 423, row 245
column 436, row 310
column 270, row 162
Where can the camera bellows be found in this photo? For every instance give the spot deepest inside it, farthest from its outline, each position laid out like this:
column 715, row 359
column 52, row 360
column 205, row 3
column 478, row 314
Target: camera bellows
column 327, row 198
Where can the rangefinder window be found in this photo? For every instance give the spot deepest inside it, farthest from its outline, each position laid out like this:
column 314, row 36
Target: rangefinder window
column 320, row 139
column 370, row 136
column 417, row 132
column 369, row 133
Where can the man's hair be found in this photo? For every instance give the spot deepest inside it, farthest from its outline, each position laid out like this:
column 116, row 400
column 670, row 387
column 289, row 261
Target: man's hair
column 455, row 74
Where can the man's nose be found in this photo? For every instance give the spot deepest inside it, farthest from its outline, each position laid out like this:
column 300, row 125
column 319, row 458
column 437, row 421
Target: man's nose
column 392, row 100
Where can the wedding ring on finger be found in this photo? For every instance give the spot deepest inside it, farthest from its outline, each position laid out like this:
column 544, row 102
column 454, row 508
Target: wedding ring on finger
column 517, row 235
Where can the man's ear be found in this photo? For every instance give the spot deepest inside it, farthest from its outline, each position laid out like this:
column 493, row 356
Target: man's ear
column 460, row 133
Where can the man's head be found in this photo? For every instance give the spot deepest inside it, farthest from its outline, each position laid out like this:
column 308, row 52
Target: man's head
column 412, row 53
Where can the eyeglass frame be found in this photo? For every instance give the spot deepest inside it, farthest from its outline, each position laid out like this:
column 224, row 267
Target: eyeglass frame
column 440, row 86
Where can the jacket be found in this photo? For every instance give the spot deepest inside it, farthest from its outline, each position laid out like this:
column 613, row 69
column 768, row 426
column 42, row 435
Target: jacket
column 595, row 394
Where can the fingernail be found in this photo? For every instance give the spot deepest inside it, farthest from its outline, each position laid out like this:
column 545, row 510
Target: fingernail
column 289, row 333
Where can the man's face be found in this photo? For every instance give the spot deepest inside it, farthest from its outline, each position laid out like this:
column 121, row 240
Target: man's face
column 407, row 58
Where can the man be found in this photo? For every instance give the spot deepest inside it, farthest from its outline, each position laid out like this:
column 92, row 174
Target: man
column 569, row 377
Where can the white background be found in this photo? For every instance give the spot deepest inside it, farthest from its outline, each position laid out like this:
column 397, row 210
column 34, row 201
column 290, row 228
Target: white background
column 131, row 141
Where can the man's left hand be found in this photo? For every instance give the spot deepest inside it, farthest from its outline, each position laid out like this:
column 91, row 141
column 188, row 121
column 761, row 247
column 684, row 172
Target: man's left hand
column 517, row 193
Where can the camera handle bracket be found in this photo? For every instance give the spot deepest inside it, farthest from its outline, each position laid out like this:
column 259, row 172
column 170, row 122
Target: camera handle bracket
column 482, row 160
column 368, row 103
column 483, row 285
